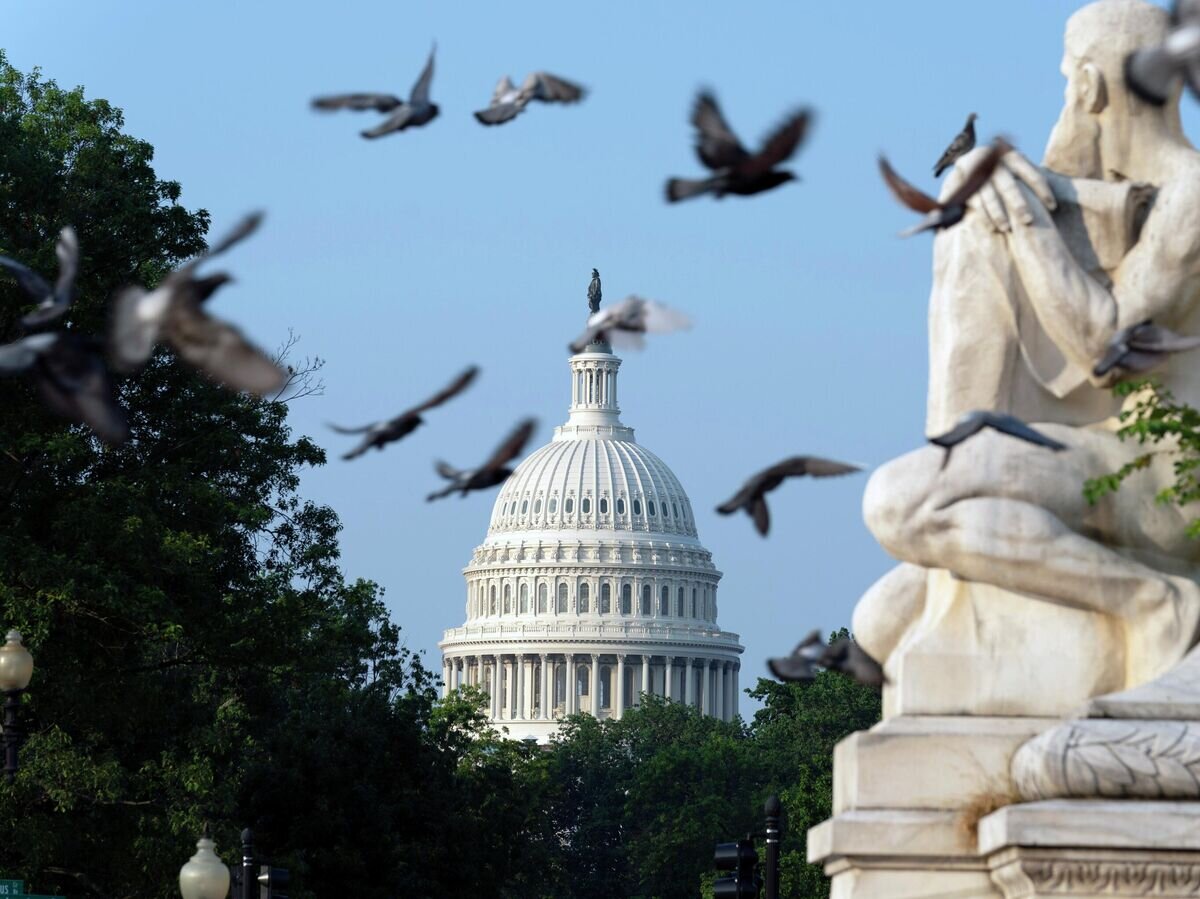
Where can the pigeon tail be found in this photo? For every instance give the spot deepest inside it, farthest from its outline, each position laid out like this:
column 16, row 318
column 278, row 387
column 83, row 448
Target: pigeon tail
column 684, row 188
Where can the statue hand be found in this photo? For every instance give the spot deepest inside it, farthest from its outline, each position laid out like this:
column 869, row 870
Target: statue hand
column 1001, row 199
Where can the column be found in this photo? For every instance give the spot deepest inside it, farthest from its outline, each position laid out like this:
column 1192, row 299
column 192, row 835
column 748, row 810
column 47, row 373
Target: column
column 645, row 677
column 719, row 693
column 520, row 710
column 496, row 675
column 595, row 685
column 690, row 689
column 669, row 678
column 705, row 687
column 544, row 710
column 737, row 694
column 619, row 704
column 569, row 698
column 506, row 689
column 445, row 677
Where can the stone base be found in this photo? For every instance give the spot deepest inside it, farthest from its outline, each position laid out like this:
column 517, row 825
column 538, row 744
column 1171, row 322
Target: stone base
column 1091, row 848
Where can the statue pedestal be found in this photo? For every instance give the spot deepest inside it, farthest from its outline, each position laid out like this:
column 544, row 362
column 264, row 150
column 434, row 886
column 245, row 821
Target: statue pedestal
column 1093, row 848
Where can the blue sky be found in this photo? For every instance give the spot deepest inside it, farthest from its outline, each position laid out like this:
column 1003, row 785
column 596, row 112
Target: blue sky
column 402, row 260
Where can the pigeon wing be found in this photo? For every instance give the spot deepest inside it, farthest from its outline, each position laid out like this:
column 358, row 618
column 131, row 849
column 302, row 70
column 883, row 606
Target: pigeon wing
column 968, row 424
column 67, row 251
column 778, row 146
column 17, row 357
column 979, row 175
column 498, row 114
column 1111, row 358
column 503, row 87
column 1157, row 339
column 457, row 386
column 377, row 102
column 914, row 199
column 342, row 430
column 220, row 351
column 74, row 383
column 136, row 321
column 760, row 514
column 814, row 466
column 552, row 89
column 716, row 144
column 512, row 445
column 243, row 229
column 29, row 280
column 419, row 96
column 1014, row 427
column 660, row 319
column 397, row 121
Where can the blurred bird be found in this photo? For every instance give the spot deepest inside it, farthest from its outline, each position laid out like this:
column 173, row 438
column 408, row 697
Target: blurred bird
column 52, row 301
column 509, row 101
column 381, row 433
column 623, row 324
column 752, row 497
column 842, row 655
column 1142, row 347
column 971, row 423
column 69, row 373
column 417, row 111
column 1151, row 72
column 735, row 170
column 964, row 142
column 942, row 215
column 494, row 471
column 173, row 313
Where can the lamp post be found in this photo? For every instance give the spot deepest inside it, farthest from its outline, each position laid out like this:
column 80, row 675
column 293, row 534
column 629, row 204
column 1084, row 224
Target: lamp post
column 16, row 669
column 205, row 875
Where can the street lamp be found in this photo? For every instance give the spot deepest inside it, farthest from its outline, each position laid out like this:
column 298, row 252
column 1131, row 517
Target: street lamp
column 205, row 875
column 16, row 669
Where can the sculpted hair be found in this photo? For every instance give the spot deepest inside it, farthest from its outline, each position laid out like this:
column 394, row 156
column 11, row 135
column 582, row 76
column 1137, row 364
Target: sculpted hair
column 1106, row 31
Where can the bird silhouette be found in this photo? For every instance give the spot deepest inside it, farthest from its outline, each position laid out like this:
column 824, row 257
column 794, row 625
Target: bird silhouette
column 492, row 472
column 623, row 324
column 842, row 655
column 951, row 211
column 52, row 301
column 380, row 433
column 963, row 143
column 735, row 169
column 971, row 423
column 1142, row 347
column 752, row 497
column 417, row 111
column 509, row 101
column 1152, row 72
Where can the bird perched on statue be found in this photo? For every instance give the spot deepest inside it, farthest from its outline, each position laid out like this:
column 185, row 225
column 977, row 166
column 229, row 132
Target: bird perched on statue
column 416, row 111
column 842, row 655
column 1152, row 72
column 594, row 292
column 509, row 101
column 173, row 313
column 381, row 433
column 1141, row 347
column 954, row 207
column 492, row 472
column 70, row 375
column 735, row 169
column 963, row 143
column 753, row 496
column 52, row 302
column 623, row 324
column 971, row 423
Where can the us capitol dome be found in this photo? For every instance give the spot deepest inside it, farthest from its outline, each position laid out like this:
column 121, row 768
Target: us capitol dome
column 591, row 587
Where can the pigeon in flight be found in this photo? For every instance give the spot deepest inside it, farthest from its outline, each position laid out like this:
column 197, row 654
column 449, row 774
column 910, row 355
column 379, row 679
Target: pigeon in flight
column 842, row 655
column 623, row 324
column 1151, row 72
column 735, row 170
column 492, row 472
column 381, row 433
column 173, row 313
column 971, row 423
column 52, row 301
column 69, row 373
column 942, row 215
column 417, row 111
column 509, row 101
column 964, row 142
column 753, row 495
column 1139, row 348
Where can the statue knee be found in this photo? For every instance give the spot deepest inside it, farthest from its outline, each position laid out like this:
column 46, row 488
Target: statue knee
column 889, row 506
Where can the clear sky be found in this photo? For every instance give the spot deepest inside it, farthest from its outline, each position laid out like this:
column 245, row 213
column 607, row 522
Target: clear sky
column 402, row 260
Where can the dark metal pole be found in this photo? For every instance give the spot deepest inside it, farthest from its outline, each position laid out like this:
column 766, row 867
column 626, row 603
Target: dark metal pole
column 12, row 736
column 774, row 812
column 249, row 868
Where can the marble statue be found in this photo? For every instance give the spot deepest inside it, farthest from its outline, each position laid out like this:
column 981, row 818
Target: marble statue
column 1002, row 559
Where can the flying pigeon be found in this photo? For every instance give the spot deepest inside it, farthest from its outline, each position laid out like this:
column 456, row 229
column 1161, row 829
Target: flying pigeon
column 1142, row 347
column 964, row 142
column 753, row 495
column 494, row 471
column 735, row 170
column 623, row 324
column 173, row 313
column 842, row 655
column 381, row 433
column 509, row 101
column 69, row 373
column 1152, row 71
column 942, row 215
column 417, row 111
column 971, row 423
column 52, row 301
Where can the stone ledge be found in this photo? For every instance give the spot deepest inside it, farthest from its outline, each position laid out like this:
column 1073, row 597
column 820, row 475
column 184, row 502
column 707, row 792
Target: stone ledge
column 1093, row 824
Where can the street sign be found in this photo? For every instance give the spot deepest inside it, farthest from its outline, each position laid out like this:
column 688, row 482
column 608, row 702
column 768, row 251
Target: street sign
column 12, row 887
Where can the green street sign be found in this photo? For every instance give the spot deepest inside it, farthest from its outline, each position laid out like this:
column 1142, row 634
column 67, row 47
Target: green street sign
column 12, row 887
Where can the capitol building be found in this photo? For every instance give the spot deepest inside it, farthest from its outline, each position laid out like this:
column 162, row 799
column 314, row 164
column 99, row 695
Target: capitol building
column 592, row 587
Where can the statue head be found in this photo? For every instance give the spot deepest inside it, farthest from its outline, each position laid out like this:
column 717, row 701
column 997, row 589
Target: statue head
column 1103, row 123
column 595, row 273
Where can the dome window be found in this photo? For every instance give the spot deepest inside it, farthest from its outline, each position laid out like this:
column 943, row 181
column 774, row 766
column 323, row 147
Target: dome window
column 585, row 505
column 679, row 603
column 650, row 507
column 626, row 599
column 542, row 602
column 561, row 606
column 584, row 592
column 693, row 602
column 666, row 510
column 664, row 601
column 646, row 599
column 603, row 505
column 606, row 598
column 553, row 504
column 524, row 506
column 507, row 599
column 569, row 505
column 637, row 507
column 675, row 506
column 537, row 507
column 492, row 600
column 524, row 592
column 620, row 506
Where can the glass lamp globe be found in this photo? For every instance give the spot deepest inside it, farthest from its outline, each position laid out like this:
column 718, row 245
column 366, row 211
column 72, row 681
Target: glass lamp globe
column 16, row 664
column 205, row 875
